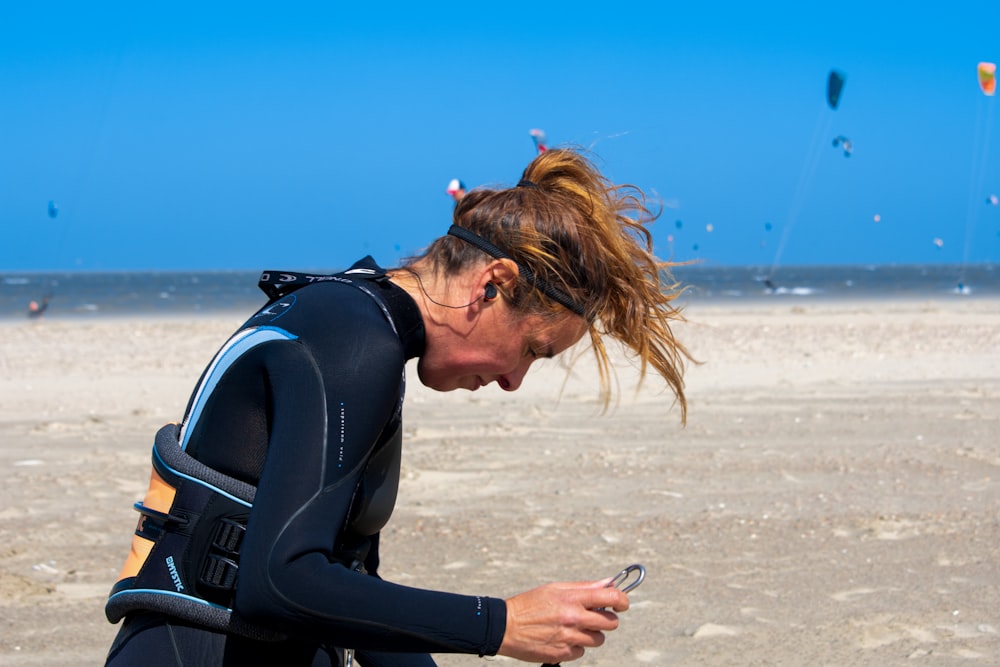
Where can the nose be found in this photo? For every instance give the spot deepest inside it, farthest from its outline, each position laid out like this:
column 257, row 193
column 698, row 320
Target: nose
column 511, row 381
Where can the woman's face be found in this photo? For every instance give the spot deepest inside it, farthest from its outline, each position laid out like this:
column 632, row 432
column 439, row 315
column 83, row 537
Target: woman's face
column 497, row 346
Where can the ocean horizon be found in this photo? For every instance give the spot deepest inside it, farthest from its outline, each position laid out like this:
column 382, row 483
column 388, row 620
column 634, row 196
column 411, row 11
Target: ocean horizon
column 74, row 294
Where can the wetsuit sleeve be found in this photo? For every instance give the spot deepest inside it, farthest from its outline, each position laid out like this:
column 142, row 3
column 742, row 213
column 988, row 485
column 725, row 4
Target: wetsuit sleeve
column 324, row 421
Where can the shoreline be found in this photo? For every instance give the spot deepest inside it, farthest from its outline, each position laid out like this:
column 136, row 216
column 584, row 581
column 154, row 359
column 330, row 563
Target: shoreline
column 98, row 294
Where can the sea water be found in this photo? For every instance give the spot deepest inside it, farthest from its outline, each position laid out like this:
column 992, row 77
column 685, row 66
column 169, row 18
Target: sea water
column 92, row 294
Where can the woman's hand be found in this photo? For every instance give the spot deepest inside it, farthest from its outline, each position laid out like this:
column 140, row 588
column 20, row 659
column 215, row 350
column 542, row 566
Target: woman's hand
column 557, row 622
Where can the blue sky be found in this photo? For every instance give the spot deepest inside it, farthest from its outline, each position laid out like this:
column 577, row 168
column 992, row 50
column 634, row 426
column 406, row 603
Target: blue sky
column 247, row 136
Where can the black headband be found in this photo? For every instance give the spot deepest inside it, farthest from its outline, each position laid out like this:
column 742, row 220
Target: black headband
column 548, row 290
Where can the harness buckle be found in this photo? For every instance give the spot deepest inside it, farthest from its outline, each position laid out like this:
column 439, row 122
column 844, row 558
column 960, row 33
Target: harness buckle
column 221, row 564
column 219, row 572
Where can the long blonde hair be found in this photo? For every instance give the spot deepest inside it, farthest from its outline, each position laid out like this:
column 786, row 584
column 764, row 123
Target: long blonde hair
column 586, row 237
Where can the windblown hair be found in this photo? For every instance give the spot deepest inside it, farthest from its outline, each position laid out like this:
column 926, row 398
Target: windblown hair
column 587, row 237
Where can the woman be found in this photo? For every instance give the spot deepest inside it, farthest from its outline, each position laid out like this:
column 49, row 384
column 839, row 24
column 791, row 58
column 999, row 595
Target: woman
column 298, row 417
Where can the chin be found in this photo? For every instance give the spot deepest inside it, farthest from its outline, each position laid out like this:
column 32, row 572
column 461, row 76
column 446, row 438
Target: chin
column 437, row 384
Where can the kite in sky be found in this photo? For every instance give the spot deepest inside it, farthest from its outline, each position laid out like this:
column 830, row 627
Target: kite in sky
column 456, row 189
column 834, row 86
column 53, row 209
column 988, row 78
column 844, row 142
column 539, row 138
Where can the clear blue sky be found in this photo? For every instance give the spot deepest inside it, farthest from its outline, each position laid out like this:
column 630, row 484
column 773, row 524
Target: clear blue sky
column 288, row 135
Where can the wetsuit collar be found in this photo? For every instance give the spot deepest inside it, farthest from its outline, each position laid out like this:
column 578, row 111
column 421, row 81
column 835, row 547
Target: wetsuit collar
column 406, row 317
column 405, row 313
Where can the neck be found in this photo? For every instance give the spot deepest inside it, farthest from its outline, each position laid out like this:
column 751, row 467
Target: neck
column 420, row 289
column 440, row 301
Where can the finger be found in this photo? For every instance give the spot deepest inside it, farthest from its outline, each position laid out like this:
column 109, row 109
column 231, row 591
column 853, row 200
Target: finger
column 581, row 643
column 600, row 583
column 603, row 620
column 594, row 639
column 599, row 621
column 601, row 598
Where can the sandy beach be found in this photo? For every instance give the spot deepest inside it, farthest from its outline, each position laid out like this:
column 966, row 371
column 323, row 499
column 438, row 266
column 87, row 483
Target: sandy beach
column 833, row 500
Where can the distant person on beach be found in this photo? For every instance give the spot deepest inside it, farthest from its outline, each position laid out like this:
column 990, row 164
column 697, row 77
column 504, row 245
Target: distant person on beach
column 37, row 309
column 258, row 540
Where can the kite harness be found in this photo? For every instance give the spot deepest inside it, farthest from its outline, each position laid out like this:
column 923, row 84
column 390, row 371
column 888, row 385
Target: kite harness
column 185, row 551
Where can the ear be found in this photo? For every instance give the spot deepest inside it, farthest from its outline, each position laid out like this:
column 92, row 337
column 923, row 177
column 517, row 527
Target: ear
column 502, row 273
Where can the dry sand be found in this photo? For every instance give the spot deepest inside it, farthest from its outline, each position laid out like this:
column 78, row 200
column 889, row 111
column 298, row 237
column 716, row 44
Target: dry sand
column 833, row 500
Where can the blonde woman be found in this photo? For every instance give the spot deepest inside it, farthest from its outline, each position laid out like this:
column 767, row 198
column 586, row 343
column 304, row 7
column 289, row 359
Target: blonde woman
column 258, row 539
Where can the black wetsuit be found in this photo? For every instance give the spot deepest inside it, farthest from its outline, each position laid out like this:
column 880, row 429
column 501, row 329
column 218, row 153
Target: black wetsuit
column 297, row 403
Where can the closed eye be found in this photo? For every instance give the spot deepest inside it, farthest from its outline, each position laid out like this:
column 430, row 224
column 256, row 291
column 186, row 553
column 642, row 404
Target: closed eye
column 535, row 354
